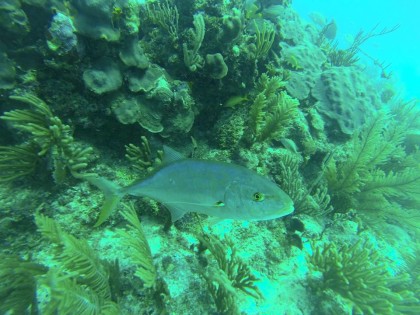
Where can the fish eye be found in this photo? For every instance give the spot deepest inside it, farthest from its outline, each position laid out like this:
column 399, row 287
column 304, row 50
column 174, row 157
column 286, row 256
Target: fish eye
column 258, row 196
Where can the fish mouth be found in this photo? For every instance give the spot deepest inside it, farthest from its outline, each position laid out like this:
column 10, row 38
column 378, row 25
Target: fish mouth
column 287, row 210
column 291, row 208
column 281, row 213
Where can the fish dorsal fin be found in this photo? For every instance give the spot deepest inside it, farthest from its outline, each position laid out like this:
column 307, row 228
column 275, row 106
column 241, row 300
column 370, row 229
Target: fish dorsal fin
column 170, row 155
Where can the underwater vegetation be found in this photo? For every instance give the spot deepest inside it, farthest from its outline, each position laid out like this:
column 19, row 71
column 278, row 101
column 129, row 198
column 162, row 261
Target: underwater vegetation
column 49, row 138
column 100, row 89
column 232, row 274
column 365, row 180
column 357, row 273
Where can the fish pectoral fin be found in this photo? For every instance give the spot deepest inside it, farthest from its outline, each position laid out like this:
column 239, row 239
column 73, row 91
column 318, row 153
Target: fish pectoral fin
column 176, row 212
column 219, row 204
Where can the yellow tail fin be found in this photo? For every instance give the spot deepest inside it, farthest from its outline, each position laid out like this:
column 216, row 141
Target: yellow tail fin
column 112, row 192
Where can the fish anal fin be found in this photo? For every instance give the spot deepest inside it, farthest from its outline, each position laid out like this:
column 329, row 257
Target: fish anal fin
column 210, row 221
column 176, row 212
column 113, row 194
column 170, row 155
column 108, row 207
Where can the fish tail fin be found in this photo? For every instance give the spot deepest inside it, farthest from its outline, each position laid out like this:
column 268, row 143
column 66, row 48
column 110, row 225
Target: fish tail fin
column 112, row 192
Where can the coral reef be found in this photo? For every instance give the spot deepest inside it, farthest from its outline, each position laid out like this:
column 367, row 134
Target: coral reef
column 271, row 112
column 12, row 18
column 345, row 98
column 62, row 34
column 94, row 19
column 160, row 105
column 357, row 273
column 191, row 57
column 104, row 76
column 308, row 59
column 216, row 66
column 132, row 54
column 92, row 292
column 8, row 72
column 50, row 139
column 90, row 87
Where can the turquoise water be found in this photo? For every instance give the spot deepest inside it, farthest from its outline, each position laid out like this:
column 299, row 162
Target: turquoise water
column 108, row 109
column 399, row 48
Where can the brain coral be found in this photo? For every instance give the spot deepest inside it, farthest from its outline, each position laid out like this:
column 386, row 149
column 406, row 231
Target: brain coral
column 345, row 98
column 310, row 59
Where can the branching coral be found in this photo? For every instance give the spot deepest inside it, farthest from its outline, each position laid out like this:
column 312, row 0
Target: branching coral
column 358, row 274
column 165, row 15
column 315, row 202
column 365, row 176
column 75, row 255
column 232, row 268
column 347, row 57
column 414, row 269
column 404, row 185
column 365, row 155
column 49, row 135
column 140, row 254
column 223, row 297
column 272, row 112
column 18, row 161
column 283, row 112
column 269, row 85
column 264, row 39
column 191, row 57
column 407, row 113
column 230, row 274
column 256, row 113
column 69, row 297
column 83, row 285
column 18, row 285
column 142, row 157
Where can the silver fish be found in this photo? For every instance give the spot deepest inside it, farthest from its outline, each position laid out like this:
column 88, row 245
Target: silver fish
column 218, row 189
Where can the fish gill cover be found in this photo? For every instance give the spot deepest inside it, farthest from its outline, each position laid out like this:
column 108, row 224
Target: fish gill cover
column 95, row 89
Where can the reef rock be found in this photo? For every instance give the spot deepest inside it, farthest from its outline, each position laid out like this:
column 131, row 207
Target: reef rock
column 62, row 37
column 94, row 19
